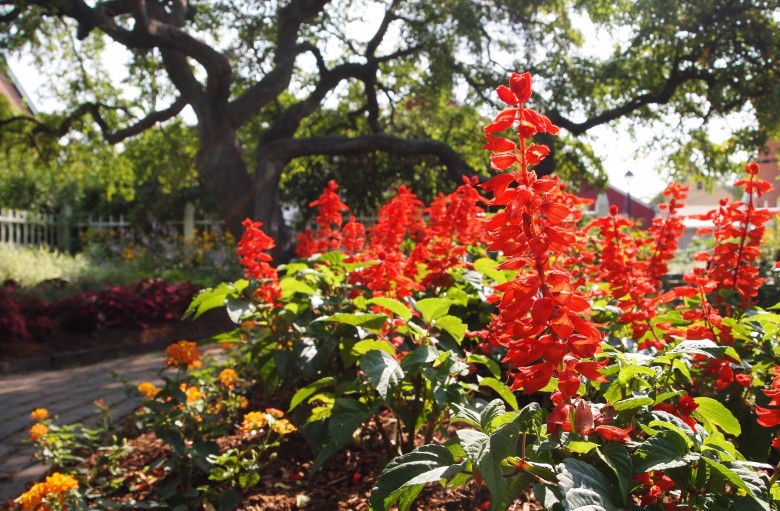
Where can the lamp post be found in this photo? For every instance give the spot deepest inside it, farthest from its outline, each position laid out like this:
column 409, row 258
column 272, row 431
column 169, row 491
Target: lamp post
column 629, row 176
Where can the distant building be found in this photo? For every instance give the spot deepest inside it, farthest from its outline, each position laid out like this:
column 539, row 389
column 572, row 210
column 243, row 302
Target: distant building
column 13, row 91
column 603, row 199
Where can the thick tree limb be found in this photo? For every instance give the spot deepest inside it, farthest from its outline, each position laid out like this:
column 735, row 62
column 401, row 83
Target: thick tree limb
column 290, row 18
column 288, row 149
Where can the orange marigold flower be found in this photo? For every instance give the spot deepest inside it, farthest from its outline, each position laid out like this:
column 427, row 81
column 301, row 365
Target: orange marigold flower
column 38, row 431
column 39, row 414
column 243, row 402
column 61, row 483
column 254, row 421
column 183, row 353
column 228, row 377
column 193, row 393
column 282, row 427
column 148, row 390
column 33, row 497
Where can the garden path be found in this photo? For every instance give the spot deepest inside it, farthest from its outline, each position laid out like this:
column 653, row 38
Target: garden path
column 69, row 395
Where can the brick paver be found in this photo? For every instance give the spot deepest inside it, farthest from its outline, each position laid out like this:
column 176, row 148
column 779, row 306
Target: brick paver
column 68, row 394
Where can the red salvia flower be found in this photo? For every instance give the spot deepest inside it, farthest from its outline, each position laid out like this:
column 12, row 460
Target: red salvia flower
column 542, row 322
column 251, row 254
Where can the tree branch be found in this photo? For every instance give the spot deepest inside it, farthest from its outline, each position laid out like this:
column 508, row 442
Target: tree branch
column 93, row 109
column 290, row 19
column 289, row 149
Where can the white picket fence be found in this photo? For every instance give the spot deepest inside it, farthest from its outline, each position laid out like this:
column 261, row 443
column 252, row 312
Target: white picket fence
column 27, row 228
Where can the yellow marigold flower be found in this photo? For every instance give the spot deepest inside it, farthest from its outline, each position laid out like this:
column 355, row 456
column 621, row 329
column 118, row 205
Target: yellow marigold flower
column 275, row 413
column 282, row 427
column 39, row 414
column 61, row 483
column 183, row 353
column 37, row 431
column 193, row 393
column 148, row 390
column 228, row 377
column 254, row 421
column 32, row 498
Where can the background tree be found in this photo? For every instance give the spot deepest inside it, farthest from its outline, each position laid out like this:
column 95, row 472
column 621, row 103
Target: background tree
column 270, row 82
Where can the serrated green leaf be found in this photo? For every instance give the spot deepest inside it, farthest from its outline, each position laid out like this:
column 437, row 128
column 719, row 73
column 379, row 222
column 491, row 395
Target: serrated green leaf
column 371, row 321
column 628, row 373
column 585, row 488
column 291, row 285
column 212, row 298
column 347, row 416
column 632, row 403
column 730, row 475
column 661, row 452
column 433, row 308
column 492, row 365
column 421, row 355
column 618, row 459
column 309, row 390
column 714, row 415
column 705, row 347
column 581, row 446
column 487, row 267
column 477, row 447
column 494, row 409
column 398, row 308
column 383, row 371
column 453, row 326
column 425, row 464
column 366, row 345
column 501, row 389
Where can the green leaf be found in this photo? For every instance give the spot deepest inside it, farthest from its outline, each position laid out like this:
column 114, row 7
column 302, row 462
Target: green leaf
column 662, row 451
column 309, row 390
column 632, row 403
column 581, row 446
column 492, row 365
column 425, row 464
column 370, row 321
column 433, row 308
column 366, row 345
column 212, row 298
column 713, row 414
column 291, row 285
column 347, row 416
column 585, row 488
column 730, row 475
column 628, row 373
column 705, row 347
column 421, row 355
column 383, row 371
column 453, row 326
column 477, row 447
column 487, row 267
column 501, row 389
column 493, row 410
column 398, row 308
column 618, row 459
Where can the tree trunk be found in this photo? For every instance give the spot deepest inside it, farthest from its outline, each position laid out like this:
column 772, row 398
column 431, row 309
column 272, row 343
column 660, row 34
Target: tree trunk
column 224, row 174
column 268, row 206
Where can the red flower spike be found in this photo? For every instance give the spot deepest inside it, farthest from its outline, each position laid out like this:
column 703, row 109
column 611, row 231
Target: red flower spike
column 521, row 86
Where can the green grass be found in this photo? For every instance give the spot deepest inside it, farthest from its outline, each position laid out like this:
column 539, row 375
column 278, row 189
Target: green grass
column 30, row 266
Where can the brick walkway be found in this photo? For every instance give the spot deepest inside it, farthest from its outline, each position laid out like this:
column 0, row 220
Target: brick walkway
column 68, row 394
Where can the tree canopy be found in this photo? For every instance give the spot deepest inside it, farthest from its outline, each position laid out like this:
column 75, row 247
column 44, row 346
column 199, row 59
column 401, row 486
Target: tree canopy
column 359, row 86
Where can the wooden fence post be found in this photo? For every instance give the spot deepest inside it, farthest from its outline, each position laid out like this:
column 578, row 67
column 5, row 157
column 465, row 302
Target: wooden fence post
column 189, row 222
